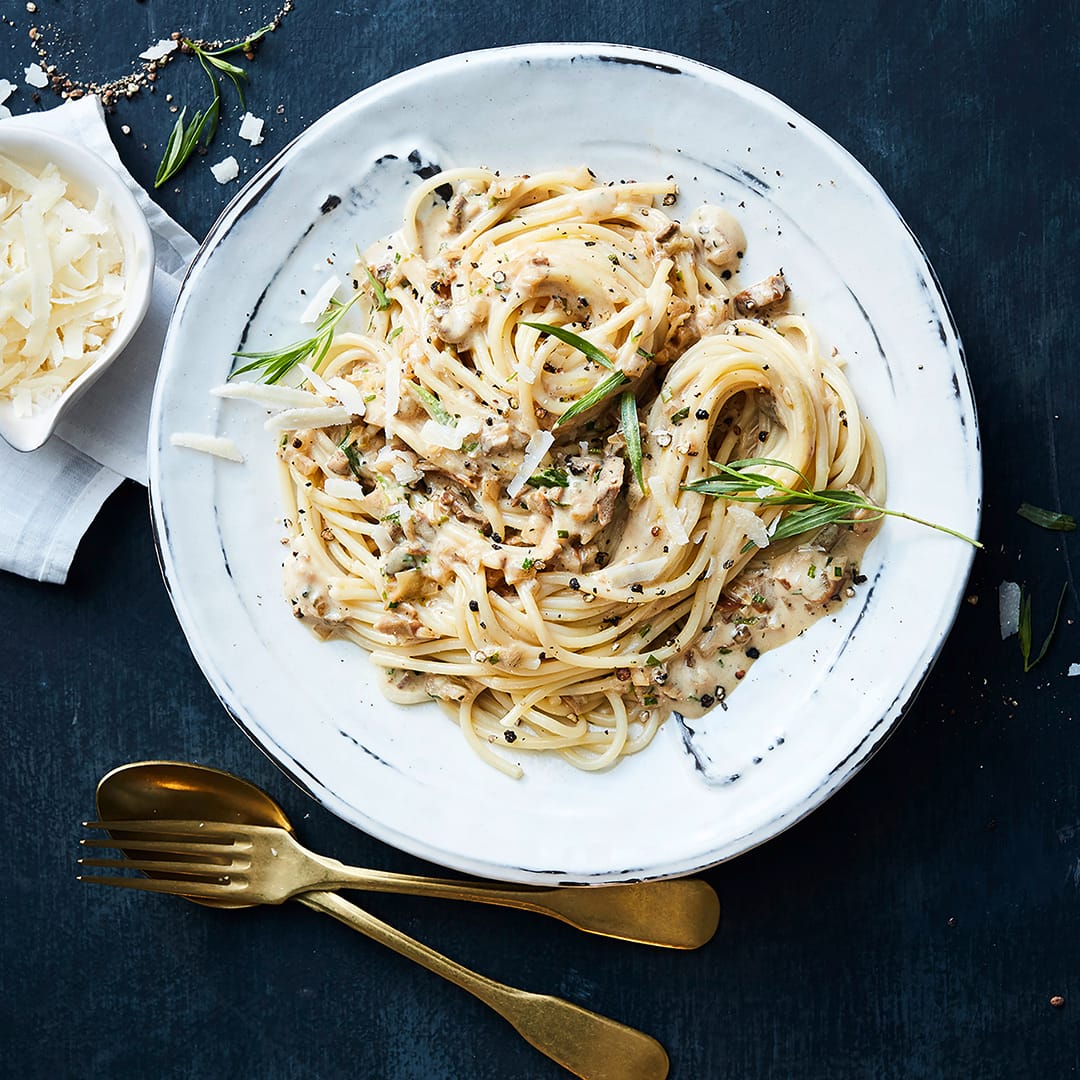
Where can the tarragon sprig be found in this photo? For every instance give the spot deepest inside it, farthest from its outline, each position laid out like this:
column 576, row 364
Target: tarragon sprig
column 184, row 138
column 816, row 509
column 632, row 435
column 276, row 363
column 1024, row 629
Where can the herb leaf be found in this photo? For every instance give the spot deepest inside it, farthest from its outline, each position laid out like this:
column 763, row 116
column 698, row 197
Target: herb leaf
column 353, row 456
column 1047, row 519
column 597, row 394
column 552, row 477
column 1024, row 629
column 737, row 483
column 632, row 435
column 433, row 405
column 275, row 363
column 568, row 337
column 382, row 301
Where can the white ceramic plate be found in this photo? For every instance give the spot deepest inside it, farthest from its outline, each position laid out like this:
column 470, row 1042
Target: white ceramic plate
column 811, row 713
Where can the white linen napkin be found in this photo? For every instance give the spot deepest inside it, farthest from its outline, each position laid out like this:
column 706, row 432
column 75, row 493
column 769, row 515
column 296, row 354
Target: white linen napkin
column 49, row 497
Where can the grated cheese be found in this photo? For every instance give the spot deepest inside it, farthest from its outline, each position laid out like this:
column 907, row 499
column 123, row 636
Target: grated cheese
column 214, row 445
column 62, row 265
column 751, row 525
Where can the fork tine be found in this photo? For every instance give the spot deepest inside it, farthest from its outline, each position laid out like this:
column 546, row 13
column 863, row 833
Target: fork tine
column 165, row 846
column 160, row 885
column 172, row 828
column 211, row 870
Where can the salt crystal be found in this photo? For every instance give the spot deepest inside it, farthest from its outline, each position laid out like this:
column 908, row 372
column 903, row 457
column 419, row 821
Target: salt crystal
column 1074, row 669
column 162, row 48
column 35, row 76
column 251, row 129
column 226, row 170
column 7, row 89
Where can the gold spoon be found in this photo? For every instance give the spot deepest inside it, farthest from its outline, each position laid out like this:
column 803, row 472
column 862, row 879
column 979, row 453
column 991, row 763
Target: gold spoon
column 679, row 914
column 588, row 1045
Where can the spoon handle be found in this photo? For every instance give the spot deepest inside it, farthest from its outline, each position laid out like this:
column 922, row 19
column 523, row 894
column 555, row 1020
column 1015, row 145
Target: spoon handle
column 588, row 1045
column 678, row 914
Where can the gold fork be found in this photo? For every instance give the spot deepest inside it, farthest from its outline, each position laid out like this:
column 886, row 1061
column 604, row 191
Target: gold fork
column 589, row 1045
column 260, row 864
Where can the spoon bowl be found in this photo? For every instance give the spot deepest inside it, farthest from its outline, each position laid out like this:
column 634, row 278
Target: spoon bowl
column 174, row 790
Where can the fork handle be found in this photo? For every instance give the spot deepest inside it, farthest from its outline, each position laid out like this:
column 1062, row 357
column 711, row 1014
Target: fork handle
column 682, row 913
column 588, row 1045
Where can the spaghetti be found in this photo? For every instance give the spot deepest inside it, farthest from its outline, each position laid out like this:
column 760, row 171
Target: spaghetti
column 487, row 479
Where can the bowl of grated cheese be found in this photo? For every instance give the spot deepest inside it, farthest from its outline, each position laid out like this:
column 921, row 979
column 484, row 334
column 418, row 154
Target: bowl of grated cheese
column 76, row 273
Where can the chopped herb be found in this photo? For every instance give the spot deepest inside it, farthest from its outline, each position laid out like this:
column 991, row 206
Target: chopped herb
column 650, row 700
column 632, row 435
column 382, row 301
column 757, row 598
column 1024, row 630
column 527, row 563
column 678, row 417
column 1047, row 519
column 432, row 405
column 563, row 534
column 811, row 571
column 394, row 333
column 644, row 353
column 551, row 477
column 568, row 337
column 594, row 396
column 652, row 661
column 278, row 362
column 355, row 460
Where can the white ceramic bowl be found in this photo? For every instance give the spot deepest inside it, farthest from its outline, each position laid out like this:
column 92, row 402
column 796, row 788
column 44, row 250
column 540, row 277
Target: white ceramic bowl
column 86, row 174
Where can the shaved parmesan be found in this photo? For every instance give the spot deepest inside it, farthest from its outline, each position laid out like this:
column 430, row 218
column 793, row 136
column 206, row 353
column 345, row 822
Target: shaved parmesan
column 320, row 300
column 1074, row 669
column 214, row 445
column 318, row 417
column 1008, row 608
column 440, row 435
column 348, row 395
column 251, row 129
column 751, row 525
column 273, row 397
column 226, row 170
column 162, row 48
column 35, row 76
column 318, row 383
column 5, row 112
column 538, row 445
column 62, row 268
column 343, row 489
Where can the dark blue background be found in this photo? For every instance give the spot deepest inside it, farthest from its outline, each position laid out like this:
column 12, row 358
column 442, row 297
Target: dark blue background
column 916, row 926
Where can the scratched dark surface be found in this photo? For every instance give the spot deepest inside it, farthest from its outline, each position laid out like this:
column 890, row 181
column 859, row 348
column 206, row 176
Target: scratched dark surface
column 915, row 926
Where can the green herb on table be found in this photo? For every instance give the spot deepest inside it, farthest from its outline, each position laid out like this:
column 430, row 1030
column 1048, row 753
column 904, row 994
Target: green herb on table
column 1024, row 629
column 738, row 482
column 276, row 363
column 568, row 337
column 185, row 138
column 1047, row 519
